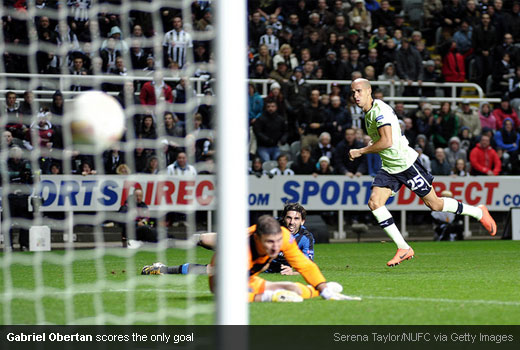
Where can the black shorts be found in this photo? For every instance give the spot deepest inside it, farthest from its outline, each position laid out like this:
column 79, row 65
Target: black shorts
column 416, row 178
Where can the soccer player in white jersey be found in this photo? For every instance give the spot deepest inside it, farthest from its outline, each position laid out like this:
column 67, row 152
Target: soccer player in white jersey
column 401, row 167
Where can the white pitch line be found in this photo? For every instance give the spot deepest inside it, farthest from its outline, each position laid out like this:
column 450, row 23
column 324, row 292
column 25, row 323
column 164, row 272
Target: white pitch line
column 434, row 300
column 442, row 300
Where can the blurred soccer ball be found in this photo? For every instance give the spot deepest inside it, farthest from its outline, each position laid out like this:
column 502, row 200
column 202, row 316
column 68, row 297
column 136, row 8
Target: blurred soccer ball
column 97, row 121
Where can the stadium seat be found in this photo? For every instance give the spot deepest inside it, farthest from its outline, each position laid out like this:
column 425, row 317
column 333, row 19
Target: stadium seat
column 269, row 164
column 295, row 149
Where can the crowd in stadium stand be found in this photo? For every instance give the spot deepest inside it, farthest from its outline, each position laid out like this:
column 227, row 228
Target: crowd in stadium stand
column 297, row 128
column 291, row 42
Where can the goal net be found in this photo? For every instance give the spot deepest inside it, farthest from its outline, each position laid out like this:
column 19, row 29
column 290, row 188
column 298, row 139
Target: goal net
column 104, row 215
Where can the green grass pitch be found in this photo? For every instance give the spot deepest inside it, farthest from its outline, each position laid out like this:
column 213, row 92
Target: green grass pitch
column 470, row 282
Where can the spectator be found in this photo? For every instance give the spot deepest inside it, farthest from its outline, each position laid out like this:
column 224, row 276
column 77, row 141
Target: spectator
column 373, row 60
column 360, row 11
column 509, row 47
column 140, row 157
column 298, row 92
column 256, row 104
column 460, row 168
column 259, row 72
column 181, row 166
column 314, row 25
column 176, row 44
column 383, row 16
column 270, row 130
column 57, row 103
column 78, row 69
column 138, row 56
column 469, row 118
column 264, row 57
column 409, row 131
column 454, row 151
column 281, row 74
column 340, row 29
column 515, row 163
column 484, row 159
column 342, row 163
column 324, row 147
column 440, row 165
column 326, row 17
column 514, row 89
column 112, row 159
column 432, row 16
column 294, row 26
column 422, row 141
column 409, row 67
column 155, row 90
column 502, row 73
column 115, row 34
column 282, row 168
column 354, row 63
column 313, row 122
column 424, row 119
column 304, row 163
column 152, row 165
column 445, row 125
column 109, row 54
column 275, row 94
column 270, row 40
column 453, row 14
column 472, row 14
column 324, row 167
column 147, row 129
column 20, row 179
column 339, row 118
column 256, row 168
column 507, row 138
column 390, row 75
column 505, row 111
column 86, row 168
column 425, row 160
column 332, row 69
column 26, row 107
column 462, row 38
column 172, row 126
column 256, row 28
column 286, row 55
column 453, row 68
column 484, row 39
column 486, row 116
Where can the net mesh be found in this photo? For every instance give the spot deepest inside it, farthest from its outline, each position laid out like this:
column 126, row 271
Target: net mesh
column 159, row 72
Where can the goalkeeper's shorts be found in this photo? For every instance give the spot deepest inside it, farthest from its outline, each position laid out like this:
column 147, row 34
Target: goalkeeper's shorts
column 256, row 286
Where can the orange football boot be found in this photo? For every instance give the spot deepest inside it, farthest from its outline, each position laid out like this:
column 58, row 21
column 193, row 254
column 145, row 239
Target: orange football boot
column 487, row 221
column 402, row 254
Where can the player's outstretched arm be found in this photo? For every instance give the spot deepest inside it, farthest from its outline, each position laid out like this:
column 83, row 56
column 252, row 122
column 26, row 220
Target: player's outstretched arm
column 332, row 291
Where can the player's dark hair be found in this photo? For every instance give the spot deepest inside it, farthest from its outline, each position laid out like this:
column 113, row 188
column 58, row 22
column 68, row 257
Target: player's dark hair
column 297, row 207
column 267, row 225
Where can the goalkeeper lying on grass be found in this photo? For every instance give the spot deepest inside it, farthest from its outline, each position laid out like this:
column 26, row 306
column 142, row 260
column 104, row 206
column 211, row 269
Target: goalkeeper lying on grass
column 293, row 218
column 267, row 239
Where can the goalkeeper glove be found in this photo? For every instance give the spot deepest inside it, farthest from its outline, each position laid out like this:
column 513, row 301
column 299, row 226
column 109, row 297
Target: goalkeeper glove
column 281, row 296
column 333, row 292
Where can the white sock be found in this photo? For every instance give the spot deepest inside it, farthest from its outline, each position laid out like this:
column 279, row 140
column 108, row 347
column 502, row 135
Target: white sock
column 453, row 206
column 385, row 220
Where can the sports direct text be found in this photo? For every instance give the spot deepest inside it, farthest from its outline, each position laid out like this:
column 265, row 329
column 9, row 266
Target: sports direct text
column 162, row 192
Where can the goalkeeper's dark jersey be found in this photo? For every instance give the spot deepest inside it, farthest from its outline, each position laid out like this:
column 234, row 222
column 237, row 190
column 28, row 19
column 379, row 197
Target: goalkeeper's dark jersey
column 304, row 240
